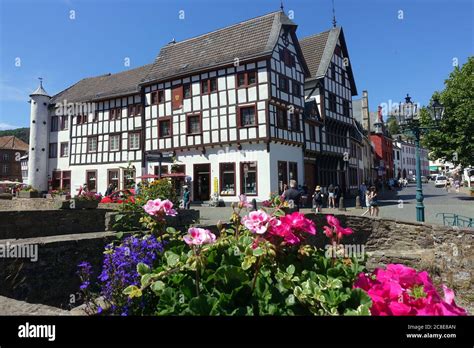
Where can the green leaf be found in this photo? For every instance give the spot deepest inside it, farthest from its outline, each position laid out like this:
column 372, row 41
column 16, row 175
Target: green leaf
column 171, row 230
column 132, row 291
column 157, row 287
column 143, row 268
column 258, row 251
column 145, row 280
column 248, row 262
column 278, row 213
column 171, row 258
column 290, row 269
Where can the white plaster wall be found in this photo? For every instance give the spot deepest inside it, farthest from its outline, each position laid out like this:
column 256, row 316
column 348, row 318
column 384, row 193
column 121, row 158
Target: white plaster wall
column 39, row 131
column 279, row 152
column 215, row 156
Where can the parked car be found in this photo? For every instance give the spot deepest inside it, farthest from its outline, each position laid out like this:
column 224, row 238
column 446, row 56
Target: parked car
column 440, row 181
column 121, row 196
column 424, row 179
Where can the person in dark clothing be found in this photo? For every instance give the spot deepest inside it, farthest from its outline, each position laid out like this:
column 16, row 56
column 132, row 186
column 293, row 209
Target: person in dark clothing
column 337, row 194
column 318, row 199
column 293, row 194
column 186, row 198
column 109, row 190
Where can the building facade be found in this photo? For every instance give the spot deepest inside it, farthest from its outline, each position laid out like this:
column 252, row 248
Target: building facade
column 382, row 143
column 229, row 115
column 11, row 150
column 332, row 144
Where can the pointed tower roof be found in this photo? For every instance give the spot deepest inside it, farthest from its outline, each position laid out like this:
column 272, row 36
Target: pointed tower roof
column 40, row 90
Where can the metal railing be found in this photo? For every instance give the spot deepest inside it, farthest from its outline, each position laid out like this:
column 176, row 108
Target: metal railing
column 451, row 219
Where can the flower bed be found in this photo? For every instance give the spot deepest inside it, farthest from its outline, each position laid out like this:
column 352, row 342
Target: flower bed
column 264, row 264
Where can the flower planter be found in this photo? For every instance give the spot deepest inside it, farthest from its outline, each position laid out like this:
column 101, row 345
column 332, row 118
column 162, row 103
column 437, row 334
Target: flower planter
column 28, row 194
column 84, row 204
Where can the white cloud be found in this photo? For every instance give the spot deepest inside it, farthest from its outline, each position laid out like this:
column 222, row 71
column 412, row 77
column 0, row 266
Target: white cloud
column 12, row 93
column 5, row 126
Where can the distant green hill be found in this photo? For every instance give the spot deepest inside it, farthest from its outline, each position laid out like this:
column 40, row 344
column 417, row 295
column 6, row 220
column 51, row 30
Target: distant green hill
column 20, row 133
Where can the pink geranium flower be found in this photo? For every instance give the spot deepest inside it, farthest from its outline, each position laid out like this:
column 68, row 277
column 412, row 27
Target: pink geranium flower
column 401, row 290
column 243, row 202
column 258, row 221
column 297, row 221
column 199, row 236
column 292, row 229
column 158, row 207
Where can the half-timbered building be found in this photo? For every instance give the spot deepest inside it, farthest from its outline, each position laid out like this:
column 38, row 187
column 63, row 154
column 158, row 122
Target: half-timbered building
column 332, row 143
column 227, row 106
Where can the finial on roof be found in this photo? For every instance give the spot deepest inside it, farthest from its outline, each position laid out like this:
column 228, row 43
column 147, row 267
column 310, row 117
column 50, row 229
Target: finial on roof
column 333, row 15
column 40, row 90
column 281, row 6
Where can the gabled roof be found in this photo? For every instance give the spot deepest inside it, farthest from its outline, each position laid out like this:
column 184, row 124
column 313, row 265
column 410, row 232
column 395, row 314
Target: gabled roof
column 318, row 50
column 10, row 142
column 105, row 86
column 253, row 38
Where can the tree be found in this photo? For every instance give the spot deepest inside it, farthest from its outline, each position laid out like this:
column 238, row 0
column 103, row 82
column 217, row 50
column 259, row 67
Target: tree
column 454, row 139
column 392, row 125
column 20, row 133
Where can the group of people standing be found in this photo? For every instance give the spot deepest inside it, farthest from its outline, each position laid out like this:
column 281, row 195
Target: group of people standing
column 333, row 195
column 369, row 196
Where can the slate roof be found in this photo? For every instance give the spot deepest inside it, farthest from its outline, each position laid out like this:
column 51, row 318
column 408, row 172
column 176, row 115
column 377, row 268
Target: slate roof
column 313, row 48
column 10, row 142
column 252, row 38
column 105, row 86
column 318, row 50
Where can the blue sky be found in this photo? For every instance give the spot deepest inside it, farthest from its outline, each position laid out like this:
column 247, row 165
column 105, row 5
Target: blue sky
column 390, row 56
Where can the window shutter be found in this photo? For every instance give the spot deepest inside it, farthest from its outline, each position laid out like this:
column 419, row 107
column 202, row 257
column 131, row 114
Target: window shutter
column 177, row 96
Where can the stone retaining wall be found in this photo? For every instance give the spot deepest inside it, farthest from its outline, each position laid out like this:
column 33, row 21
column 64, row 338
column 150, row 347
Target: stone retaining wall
column 445, row 252
column 42, row 223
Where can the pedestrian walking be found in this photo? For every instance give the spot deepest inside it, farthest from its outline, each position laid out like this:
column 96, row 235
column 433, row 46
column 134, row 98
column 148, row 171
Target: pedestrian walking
column 318, row 199
column 362, row 192
column 331, row 196
column 367, row 203
column 373, row 201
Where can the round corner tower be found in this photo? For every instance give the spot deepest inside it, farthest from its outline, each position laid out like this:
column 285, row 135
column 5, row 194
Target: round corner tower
column 39, row 143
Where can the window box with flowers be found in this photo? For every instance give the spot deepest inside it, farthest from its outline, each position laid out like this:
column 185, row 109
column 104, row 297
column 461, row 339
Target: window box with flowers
column 86, row 200
column 28, row 192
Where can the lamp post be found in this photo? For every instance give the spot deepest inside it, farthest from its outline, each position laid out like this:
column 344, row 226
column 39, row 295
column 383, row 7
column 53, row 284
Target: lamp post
column 409, row 120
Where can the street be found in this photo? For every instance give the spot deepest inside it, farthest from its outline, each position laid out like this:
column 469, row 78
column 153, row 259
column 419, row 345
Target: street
column 394, row 205
column 436, row 200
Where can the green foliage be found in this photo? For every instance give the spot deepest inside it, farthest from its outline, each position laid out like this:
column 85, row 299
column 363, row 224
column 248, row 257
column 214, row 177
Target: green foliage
column 392, row 125
column 238, row 279
column 131, row 215
column 454, row 140
column 20, row 133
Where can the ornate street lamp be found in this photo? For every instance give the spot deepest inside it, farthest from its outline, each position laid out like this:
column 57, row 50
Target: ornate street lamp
column 409, row 120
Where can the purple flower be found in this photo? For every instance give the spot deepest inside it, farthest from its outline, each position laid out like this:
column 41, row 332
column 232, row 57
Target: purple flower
column 119, row 269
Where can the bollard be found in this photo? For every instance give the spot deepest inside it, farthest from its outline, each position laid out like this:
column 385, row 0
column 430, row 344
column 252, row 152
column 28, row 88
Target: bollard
column 341, row 204
column 358, row 206
column 254, row 204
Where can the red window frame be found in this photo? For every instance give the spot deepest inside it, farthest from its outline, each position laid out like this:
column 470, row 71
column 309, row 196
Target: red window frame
column 246, row 79
column 221, row 181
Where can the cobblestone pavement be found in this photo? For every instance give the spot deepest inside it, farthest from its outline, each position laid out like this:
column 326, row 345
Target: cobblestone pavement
column 399, row 205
